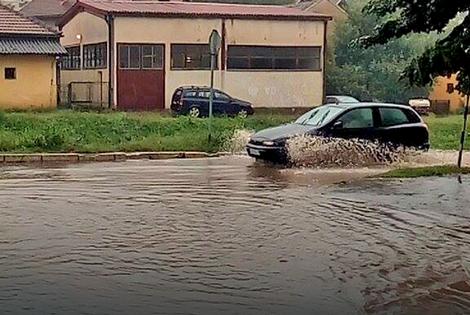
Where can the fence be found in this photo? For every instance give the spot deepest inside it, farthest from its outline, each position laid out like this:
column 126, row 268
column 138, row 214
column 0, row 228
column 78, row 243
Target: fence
column 440, row 107
column 85, row 94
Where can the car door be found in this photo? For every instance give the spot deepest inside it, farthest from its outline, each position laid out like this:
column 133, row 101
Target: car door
column 203, row 102
column 222, row 103
column 400, row 126
column 357, row 123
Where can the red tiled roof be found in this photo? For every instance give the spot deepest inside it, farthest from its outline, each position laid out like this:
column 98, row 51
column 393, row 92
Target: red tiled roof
column 195, row 9
column 40, row 8
column 13, row 23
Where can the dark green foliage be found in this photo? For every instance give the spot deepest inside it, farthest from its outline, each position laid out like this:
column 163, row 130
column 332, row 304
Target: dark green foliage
column 450, row 54
column 372, row 73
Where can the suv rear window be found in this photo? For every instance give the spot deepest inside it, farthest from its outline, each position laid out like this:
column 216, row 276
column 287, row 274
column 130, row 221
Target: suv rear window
column 393, row 117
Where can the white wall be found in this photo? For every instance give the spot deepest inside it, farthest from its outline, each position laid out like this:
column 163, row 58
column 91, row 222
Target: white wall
column 263, row 89
column 93, row 30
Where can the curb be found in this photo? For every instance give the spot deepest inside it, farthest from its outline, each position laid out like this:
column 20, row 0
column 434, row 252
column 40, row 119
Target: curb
column 101, row 157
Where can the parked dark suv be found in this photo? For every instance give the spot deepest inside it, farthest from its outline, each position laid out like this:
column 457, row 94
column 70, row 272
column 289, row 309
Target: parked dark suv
column 194, row 101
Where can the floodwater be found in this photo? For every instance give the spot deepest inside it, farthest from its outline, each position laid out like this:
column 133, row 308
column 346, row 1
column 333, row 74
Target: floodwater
column 227, row 236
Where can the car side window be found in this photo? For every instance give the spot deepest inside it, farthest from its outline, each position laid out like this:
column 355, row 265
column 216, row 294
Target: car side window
column 393, row 117
column 221, row 96
column 204, row 94
column 190, row 94
column 358, row 118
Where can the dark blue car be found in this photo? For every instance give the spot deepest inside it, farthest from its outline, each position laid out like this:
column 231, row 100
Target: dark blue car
column 194, row 101
column 389, row 124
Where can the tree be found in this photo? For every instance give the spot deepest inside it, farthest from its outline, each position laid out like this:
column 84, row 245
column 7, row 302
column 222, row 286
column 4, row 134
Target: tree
column 371, row 73
column 449, row 55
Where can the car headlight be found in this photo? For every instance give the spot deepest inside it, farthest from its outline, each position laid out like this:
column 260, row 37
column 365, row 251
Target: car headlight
column 268, row 143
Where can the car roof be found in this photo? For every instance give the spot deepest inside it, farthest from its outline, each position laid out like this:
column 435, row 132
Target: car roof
column 344, row 98
column 366, row 104
column 194, row 87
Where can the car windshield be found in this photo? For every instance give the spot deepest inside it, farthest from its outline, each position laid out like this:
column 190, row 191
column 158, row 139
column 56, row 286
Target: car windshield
column 319, row 116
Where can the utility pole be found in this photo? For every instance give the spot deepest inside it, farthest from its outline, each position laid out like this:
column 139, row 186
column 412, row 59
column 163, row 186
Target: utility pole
column 214, row 45
column 464, row 132
column 463, row 135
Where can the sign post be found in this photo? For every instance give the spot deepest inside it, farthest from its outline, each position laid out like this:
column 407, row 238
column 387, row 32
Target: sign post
column 464, row 132
column 214, row 45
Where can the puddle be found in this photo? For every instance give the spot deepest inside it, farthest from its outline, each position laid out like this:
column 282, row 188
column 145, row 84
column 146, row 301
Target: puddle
column 228, row 236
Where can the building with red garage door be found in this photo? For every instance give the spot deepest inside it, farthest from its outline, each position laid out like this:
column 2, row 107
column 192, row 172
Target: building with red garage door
column 135, row 54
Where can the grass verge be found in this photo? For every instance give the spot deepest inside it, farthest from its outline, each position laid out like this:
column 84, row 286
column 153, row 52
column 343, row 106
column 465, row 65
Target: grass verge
column 90, row 132
column 444, row 132
column 414, row 172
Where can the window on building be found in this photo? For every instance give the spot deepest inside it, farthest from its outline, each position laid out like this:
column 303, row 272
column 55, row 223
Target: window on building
column 152, row 57
column 190, row 57
column 273, row 58
column 72, row 61
column 141, row 56
column 450, row 88
column 95, row 56
column 10, row 73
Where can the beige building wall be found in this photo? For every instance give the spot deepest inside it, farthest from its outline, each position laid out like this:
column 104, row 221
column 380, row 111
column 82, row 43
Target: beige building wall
column 82, row 30
column 440, row 93
column 35, row 85
column 263, row 89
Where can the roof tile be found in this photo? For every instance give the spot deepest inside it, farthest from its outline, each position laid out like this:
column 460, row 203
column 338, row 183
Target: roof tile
column 14, row 23
column 38, row 8
column 39, row 46
column 197, row 9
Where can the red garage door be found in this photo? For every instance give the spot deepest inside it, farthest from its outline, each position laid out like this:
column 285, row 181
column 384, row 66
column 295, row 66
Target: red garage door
column 141, row 77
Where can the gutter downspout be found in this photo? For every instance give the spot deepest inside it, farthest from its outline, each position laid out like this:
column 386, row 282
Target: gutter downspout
column 110, row 21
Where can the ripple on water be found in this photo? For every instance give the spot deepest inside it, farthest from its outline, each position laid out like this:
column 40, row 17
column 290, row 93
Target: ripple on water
column 229, row 236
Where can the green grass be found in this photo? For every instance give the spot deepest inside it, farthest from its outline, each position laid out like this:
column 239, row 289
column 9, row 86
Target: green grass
column 75, row 131
column 445, row 132
column 442, row 170
column 71, row 131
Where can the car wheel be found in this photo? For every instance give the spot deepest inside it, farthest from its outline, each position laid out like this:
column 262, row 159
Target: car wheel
column 194, row 112
column 243, row 113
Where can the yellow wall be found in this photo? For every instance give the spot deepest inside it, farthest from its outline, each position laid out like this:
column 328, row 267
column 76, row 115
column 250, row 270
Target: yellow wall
column 264, row 89
column 439, row 93
column 35, row 84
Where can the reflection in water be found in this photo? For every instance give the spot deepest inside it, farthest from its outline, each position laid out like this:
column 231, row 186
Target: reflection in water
column 226, row 236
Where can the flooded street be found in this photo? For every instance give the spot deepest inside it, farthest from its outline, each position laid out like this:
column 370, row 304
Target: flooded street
column 227, row 236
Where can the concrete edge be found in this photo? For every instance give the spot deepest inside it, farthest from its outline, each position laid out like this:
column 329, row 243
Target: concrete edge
column 19, row 158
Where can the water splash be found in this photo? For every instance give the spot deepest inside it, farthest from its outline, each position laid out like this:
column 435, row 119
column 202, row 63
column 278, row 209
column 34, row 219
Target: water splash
column 315, row 151
column 311, row 151
column 236, row 144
